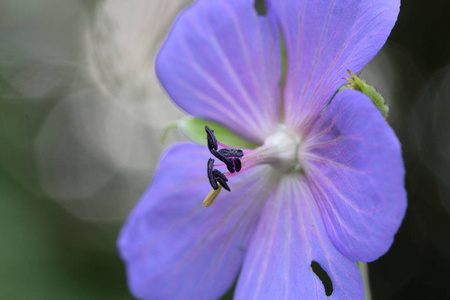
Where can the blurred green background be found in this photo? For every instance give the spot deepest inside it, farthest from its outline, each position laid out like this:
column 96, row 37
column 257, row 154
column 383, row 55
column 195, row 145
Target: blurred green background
column 81, row 115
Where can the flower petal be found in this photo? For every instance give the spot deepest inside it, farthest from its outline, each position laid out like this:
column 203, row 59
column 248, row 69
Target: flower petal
column 221, row 62
column 354, row 160
column 323, row 39
column 290, row 235
column 175, row 248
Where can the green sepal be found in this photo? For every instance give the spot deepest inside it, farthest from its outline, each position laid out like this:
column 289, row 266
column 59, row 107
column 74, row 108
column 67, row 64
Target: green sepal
column 358, row 84
column 194, row 130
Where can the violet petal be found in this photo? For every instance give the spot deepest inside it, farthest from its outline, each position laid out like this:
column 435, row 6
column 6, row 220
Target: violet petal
column 221, row 62
column 290, row 235
column 173, row 247
column 323, row 39
column 354, row 160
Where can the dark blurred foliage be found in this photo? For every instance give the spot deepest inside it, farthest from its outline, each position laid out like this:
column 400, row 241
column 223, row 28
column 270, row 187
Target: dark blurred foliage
column 48, row 254
column 418, row 264
column 53, row 249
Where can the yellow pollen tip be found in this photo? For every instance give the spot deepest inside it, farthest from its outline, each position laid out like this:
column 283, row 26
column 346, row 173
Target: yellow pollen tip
column 212, row 195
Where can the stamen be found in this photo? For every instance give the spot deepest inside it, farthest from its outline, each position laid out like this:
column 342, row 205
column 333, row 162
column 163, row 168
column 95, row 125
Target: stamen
column 210, row 171
column 227, row 156
column 237, row 164
column 216, row 178
column 212, row 142
column 221, row 179
column 283, row 150
column 231, row 152
column 233, row 155
column 224, row 159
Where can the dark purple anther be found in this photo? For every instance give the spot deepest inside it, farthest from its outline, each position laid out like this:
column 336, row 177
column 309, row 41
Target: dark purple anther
column 224, row 184
column 233, row 155
column 212, row 142
column 231, row 152
column 229, row 164
column 221, row 179
column 210, row 171
column 216, row 177
column 212, row 146
column 237, row 164
column 217, row 174
column 224, row 159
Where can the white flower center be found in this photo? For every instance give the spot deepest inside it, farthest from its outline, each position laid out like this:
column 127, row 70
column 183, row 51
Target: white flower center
column 283, row 146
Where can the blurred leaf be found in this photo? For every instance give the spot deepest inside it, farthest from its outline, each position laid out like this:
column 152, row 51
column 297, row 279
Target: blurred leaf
column 194, row 129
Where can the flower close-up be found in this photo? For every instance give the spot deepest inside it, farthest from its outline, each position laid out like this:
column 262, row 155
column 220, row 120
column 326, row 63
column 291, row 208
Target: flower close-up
column 319, row 180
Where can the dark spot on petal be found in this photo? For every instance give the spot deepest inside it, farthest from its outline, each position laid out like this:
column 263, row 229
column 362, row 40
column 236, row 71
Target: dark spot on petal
column 261, row 7
column 323, row 276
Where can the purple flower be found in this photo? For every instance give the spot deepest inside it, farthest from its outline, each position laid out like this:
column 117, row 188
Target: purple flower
column 325, row 186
